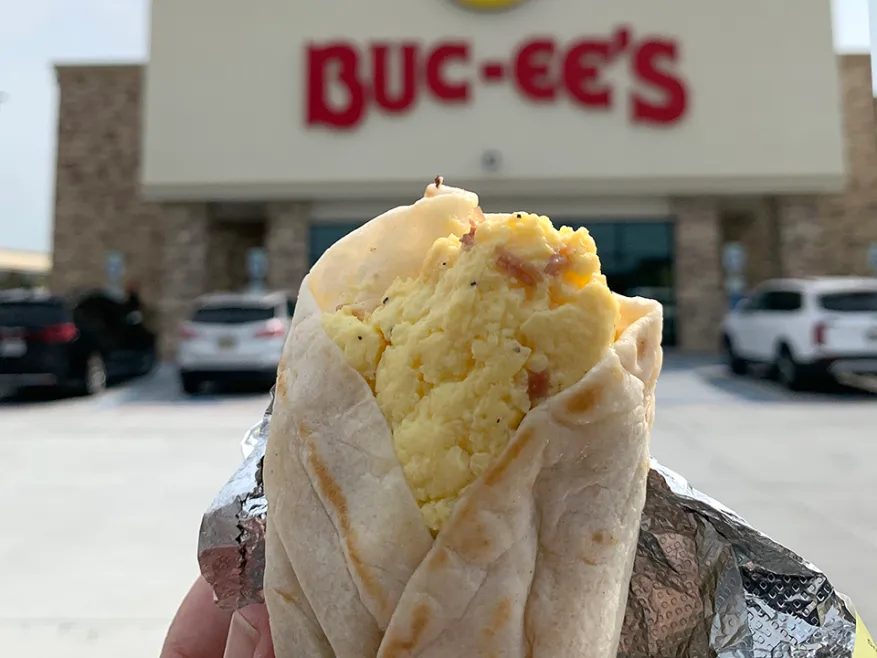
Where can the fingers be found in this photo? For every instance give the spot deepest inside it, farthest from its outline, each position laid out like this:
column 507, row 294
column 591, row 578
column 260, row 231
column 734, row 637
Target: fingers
column 200, row 628
column 250, row 635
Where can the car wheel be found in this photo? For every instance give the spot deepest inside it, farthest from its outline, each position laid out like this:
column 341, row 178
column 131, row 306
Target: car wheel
column 95, row 378
column 735, row 364
column 787, row 370
column 190, row 384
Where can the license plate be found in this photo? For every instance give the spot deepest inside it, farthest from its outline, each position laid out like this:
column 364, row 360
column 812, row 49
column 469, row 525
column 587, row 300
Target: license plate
column 227, row 342
column 13, row 347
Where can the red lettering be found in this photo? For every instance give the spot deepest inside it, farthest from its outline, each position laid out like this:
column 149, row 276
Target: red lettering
column 441, row 56
column 581, row 73
column 407, row 94
column 533, row 72
column 660, row 96
column 646, row 68
column 320, row 62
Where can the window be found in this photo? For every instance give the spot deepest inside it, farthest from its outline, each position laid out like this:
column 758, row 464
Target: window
column 850, row 302
column 782, row 301
column 32, row 314
column 233, row 314
column 755, row 302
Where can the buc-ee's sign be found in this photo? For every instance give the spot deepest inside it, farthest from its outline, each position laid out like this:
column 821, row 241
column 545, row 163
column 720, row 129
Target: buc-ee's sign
column 392, row 77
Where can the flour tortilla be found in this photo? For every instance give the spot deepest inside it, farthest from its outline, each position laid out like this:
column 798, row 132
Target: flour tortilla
column 535, row 560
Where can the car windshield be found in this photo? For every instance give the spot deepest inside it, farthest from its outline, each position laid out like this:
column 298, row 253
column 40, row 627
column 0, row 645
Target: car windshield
column 237, row 314
column 857, row 301
column 32, row 314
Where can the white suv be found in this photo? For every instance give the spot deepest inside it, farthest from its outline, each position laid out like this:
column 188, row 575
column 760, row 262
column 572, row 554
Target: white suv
column 234, row 337
column 804, row 329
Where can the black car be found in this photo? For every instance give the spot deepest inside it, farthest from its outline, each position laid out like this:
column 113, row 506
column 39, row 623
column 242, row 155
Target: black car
column 80, row 343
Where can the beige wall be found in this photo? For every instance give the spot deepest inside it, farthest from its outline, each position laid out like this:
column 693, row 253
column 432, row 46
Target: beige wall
column 227, row 91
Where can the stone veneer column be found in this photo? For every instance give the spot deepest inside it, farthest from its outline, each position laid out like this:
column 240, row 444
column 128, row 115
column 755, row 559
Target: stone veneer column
column 288, row 245
column 760, row 241
column 802, row 248
column 700, row 296
column 185, row 269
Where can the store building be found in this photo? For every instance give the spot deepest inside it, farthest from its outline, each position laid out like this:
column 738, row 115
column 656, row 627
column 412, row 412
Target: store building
column 668, row 132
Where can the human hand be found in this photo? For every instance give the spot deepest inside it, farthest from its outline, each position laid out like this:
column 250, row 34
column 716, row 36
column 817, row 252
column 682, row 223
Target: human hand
column 200, row 629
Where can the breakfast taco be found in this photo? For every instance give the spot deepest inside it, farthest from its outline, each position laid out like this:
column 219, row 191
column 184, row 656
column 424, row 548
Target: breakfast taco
column 458, row 454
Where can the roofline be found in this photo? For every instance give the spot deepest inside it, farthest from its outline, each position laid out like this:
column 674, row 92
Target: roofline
column 141, row 63
column 92, row 65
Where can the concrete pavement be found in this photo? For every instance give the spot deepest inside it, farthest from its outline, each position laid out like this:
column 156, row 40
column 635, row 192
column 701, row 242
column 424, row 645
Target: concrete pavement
column 103, row 507
column 104, row 496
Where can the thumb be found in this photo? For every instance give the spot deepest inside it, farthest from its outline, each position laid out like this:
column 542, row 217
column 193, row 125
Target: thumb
column 249, row 635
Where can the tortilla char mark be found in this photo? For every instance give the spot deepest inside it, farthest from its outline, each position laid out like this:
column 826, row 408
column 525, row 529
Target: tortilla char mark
column 498, row 470
column 282, row 386
column 500, row 617
column 332, row 494
column 399, row 647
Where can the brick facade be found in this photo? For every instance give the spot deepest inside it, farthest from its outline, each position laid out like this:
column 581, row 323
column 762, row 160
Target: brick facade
column 228, row 245
column 801, row 241
column 850, row 219
column 288, row 245
column 177, row 251
column 184, row 268
column 97, row 201
column 700, row 297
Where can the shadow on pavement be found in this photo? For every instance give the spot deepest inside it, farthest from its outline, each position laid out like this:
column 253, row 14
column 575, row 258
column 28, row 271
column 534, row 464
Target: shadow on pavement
column 758, row 388
column 38, row 396
column 692, row 376
column 162, row 386
column 34, row 396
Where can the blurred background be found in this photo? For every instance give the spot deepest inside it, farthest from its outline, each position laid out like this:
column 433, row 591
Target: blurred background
column 170, row 171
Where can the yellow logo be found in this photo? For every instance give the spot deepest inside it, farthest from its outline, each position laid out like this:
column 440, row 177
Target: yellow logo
column 489, row 5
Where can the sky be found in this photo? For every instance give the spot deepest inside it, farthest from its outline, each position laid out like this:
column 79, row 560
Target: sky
column 36, row 33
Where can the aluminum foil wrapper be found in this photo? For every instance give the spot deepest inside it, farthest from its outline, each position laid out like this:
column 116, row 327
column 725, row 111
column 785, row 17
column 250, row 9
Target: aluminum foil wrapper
column 704, row 583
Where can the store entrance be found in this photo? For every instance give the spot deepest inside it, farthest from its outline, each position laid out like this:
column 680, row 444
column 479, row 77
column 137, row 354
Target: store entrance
column 637, row 258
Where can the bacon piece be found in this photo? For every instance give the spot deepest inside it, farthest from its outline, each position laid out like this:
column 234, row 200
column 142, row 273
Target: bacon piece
column 524, row 272
column 537, row 386
column 559, row 262
column 469, row 239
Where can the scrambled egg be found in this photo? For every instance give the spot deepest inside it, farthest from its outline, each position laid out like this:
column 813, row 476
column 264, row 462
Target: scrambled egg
column 497, row 321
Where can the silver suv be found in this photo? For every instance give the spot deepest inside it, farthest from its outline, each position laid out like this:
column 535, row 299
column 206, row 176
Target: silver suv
column 234, row 338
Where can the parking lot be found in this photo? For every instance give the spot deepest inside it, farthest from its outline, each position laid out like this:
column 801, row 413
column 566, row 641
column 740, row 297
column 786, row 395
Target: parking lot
column 104, row 495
